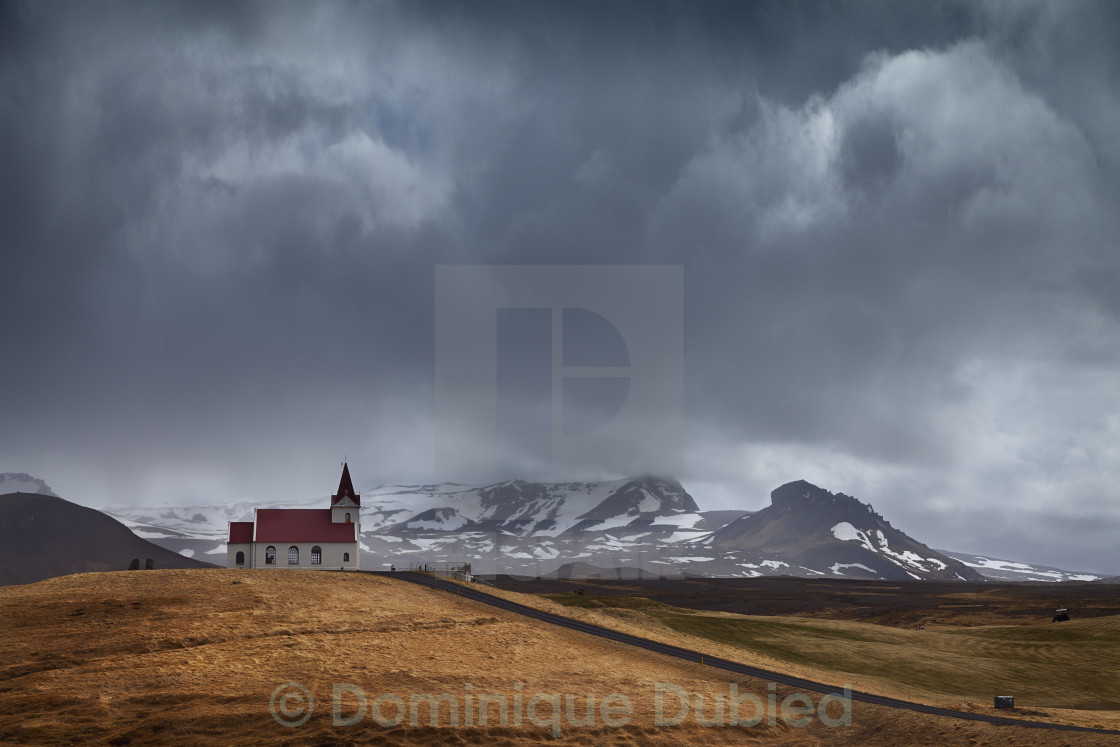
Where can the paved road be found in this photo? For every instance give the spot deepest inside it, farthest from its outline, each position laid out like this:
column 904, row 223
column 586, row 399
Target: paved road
column 470, row 592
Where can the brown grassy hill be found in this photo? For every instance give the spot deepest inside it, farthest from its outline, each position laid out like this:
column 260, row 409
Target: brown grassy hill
column 42, row 536
column 191, row 657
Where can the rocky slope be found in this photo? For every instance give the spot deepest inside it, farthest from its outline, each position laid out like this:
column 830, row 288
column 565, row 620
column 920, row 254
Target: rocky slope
column 813, row 530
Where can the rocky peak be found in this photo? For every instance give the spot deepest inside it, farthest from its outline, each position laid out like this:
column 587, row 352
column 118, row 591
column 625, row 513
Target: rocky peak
column 800, row 495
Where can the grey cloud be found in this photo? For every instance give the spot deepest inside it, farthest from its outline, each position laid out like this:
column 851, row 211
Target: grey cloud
column 220, row 224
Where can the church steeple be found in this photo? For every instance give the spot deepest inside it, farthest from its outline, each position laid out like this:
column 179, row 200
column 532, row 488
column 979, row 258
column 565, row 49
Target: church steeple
column 345, row 485
column 345, row 495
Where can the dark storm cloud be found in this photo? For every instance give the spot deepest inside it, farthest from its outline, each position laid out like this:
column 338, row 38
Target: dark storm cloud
column 220, row 224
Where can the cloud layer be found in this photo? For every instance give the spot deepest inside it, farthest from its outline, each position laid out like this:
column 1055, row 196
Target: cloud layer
column 220, row 227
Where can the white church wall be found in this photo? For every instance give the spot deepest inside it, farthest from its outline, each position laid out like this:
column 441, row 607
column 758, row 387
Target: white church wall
column 331, row 556
column 231, row 555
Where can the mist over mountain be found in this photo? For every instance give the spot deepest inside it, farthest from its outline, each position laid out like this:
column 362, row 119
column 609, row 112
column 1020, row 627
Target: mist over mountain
column 649, row 523
column 646, row 526
column 21, row 482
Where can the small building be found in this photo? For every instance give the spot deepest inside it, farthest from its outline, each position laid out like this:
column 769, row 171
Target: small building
column 302, row 538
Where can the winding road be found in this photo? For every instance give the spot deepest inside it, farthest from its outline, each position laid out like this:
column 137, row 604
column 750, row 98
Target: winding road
column 468, row 592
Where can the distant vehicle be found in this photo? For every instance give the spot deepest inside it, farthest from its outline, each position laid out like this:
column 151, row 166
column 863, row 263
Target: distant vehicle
column 1061, row 615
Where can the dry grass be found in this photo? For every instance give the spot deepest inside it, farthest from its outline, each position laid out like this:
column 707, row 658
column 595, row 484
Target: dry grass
column 1063, row 673
column 1069, row 666
column 189, row 657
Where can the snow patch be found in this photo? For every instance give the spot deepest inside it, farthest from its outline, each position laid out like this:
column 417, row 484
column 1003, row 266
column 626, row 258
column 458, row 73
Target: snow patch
column 449, row 526
column 388, row 537
column 837, row 566
column 685, row 536
column 648, row 503
column 999, row 565
column 845, row 531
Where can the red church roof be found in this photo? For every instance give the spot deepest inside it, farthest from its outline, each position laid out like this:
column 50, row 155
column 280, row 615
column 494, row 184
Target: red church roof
column 301, row 525
column 240, row 531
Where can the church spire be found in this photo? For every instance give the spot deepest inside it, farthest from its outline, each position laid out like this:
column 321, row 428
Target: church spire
column 345, row 494
column 345, row 486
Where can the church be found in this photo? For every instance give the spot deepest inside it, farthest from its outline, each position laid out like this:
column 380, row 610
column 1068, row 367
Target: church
column 302, row 538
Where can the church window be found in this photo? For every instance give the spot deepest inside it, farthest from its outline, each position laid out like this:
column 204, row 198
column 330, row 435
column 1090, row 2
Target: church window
column 240, row 559
column 345, row 557
column 316, row 555
column 270, row 555
column 293, row 555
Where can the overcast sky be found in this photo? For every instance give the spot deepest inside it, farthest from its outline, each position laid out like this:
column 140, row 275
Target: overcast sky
column 896, row 224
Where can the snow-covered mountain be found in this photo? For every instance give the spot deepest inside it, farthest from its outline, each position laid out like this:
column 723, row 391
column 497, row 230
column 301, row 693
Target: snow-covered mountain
column 519, row 526
column 652, row 523
column 1009, row 570
column 812, row 530
column 515, row 526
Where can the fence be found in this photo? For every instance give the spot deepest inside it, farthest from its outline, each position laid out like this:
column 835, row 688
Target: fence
column 459, row 571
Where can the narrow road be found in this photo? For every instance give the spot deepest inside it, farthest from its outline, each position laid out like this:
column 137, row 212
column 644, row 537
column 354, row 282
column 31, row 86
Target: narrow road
column 469, row 592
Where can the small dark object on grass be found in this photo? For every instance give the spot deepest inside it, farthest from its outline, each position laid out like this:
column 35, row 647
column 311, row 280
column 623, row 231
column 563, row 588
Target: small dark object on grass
column 1060, row 616
column 1005, row 701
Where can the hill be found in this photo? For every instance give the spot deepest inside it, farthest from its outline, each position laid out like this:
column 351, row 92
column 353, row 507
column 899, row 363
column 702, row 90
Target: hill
column 187, row 657
column 42, row 536
column 808, row 528
column 999, row 569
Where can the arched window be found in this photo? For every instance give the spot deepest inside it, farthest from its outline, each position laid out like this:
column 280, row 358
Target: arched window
column 240, row 558
column 293, row 555
column 316, row 555
column 270, row 555
column 347, row 517
column 345, row 557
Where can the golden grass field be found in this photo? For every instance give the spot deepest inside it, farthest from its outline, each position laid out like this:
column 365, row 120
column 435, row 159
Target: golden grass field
column 938, row 666
column 193, row 656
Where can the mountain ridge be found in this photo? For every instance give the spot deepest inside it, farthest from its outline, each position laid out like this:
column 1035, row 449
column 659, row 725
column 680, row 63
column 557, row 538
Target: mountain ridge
column 653, row 523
